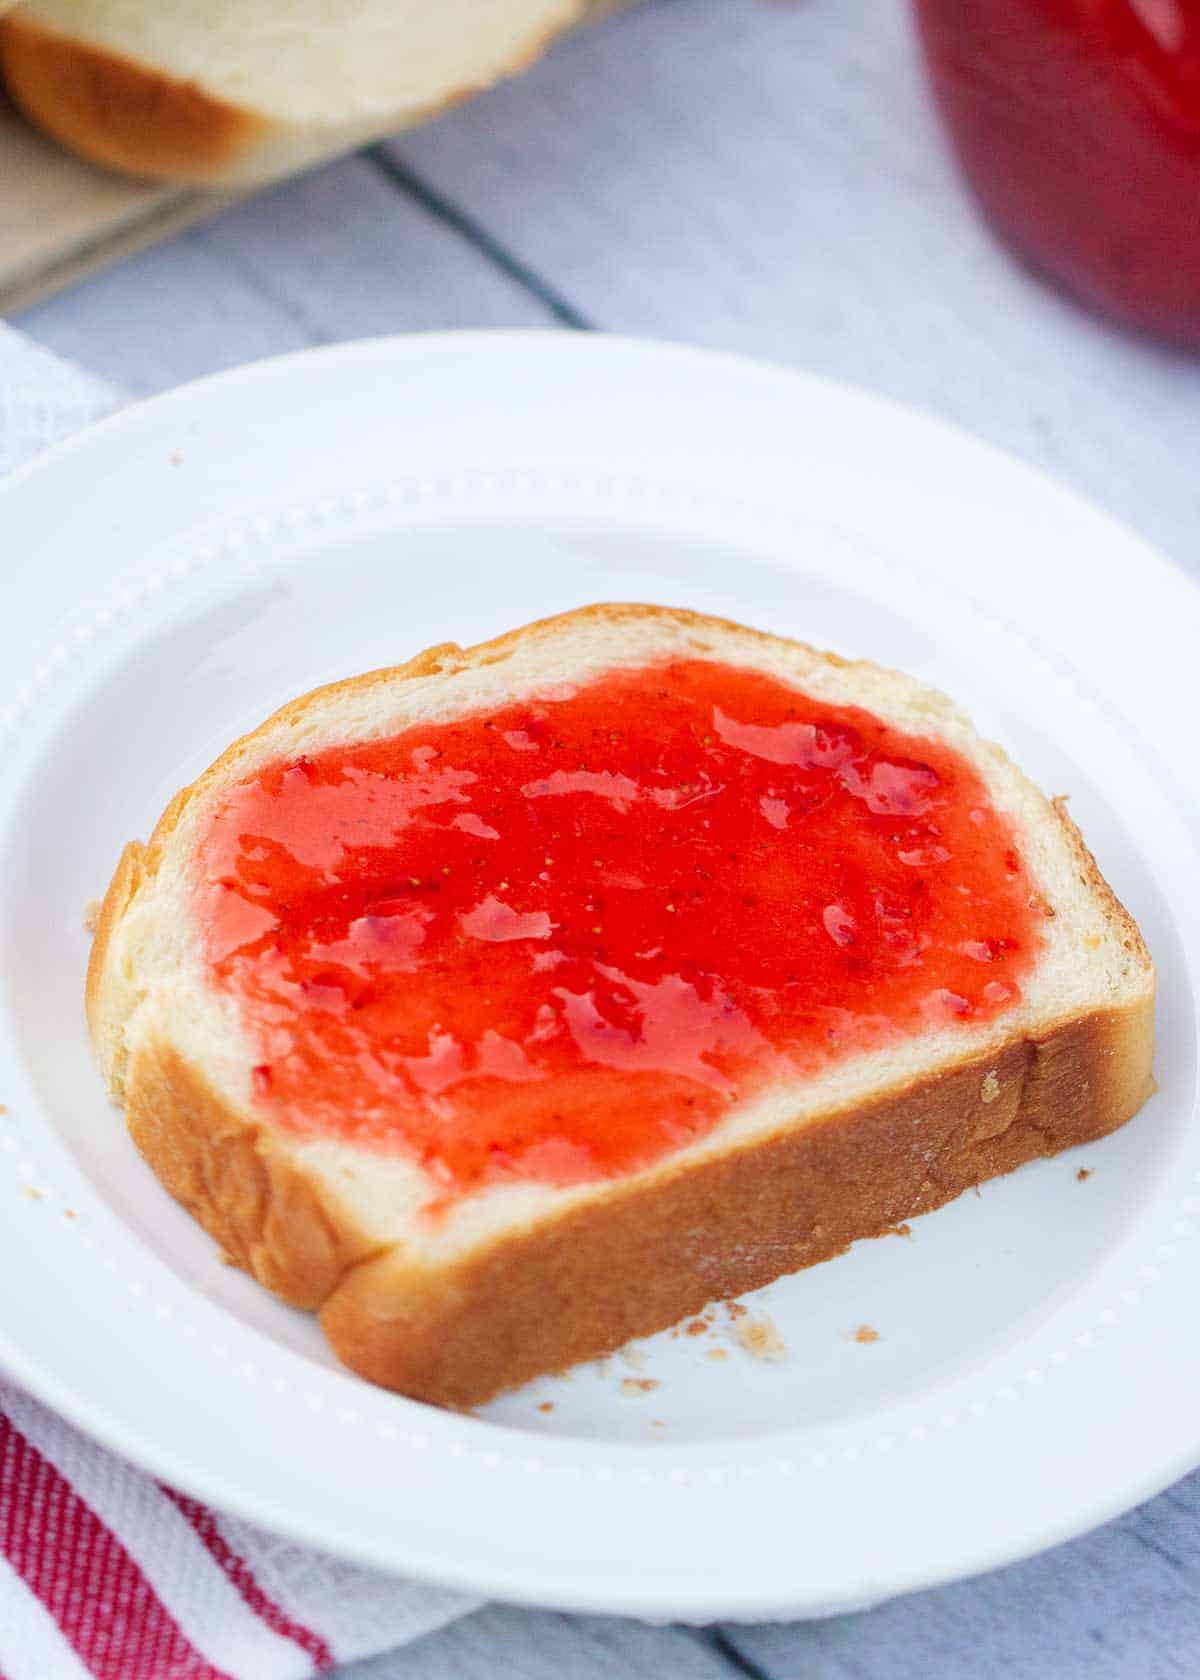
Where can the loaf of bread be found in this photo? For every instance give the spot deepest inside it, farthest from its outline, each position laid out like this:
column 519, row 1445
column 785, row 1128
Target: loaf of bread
column 229, row 95
column 518, row 1001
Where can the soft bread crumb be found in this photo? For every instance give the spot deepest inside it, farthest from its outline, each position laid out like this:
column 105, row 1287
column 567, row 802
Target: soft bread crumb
column 34, row 1195
column 633, row 1387
column 736, row 1310
column 865, row 1334
column 91, row 914
column 990, row 1089
column 760, row 1338
column 719, row 1353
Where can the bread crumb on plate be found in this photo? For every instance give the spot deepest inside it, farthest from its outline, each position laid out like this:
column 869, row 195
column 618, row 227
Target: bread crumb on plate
column 633, row 1387
column 865, row 1334
column 1084, row 1174
column 760, row 1338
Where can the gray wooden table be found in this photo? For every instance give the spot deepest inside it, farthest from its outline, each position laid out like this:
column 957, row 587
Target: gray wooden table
column 764, row 177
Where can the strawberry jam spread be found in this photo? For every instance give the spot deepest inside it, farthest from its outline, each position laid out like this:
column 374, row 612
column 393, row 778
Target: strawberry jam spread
column 556, row 941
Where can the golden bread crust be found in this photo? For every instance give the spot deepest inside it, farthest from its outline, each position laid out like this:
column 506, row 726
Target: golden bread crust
column 127, row 877
column 646, row 1256
column 642, row 1254
column 118, row 113
column 1089, row 873
column 268, row 1215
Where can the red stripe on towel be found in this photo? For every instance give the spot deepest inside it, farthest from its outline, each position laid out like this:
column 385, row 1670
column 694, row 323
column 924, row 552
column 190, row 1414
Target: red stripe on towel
column 103, row 1604
column 243, row 1578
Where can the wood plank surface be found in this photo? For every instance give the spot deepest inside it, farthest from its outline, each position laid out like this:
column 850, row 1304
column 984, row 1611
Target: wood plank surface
column 60, row 218
column 767, row 177
column 337, row 254
column 1121, row 1604
column 506, row 1644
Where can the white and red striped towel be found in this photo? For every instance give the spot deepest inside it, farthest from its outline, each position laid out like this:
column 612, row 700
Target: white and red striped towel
column 103, row 1572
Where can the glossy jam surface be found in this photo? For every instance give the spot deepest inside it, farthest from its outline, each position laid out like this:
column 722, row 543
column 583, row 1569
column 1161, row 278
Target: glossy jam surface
column 1078, row 125
column 558, row 940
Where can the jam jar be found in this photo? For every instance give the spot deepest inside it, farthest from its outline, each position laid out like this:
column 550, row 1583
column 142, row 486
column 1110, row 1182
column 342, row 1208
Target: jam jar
column 1077, row 124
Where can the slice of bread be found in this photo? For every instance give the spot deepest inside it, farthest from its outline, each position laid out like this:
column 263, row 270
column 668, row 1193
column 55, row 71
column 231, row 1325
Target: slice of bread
column 452, row 1298
column 228, row 96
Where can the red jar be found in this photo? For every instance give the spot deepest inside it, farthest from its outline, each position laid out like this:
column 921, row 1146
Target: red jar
column 1077, row 123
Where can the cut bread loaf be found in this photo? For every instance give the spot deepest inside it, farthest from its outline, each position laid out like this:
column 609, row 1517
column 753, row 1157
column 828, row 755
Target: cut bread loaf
column 454, row 1297
column 228, row 96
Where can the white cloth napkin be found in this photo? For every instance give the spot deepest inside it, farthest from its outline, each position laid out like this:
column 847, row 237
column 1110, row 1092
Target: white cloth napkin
column 104, row 1572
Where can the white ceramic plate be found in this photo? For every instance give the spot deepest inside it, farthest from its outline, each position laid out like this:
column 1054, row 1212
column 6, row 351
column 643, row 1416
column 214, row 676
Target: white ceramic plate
column 179, row 571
